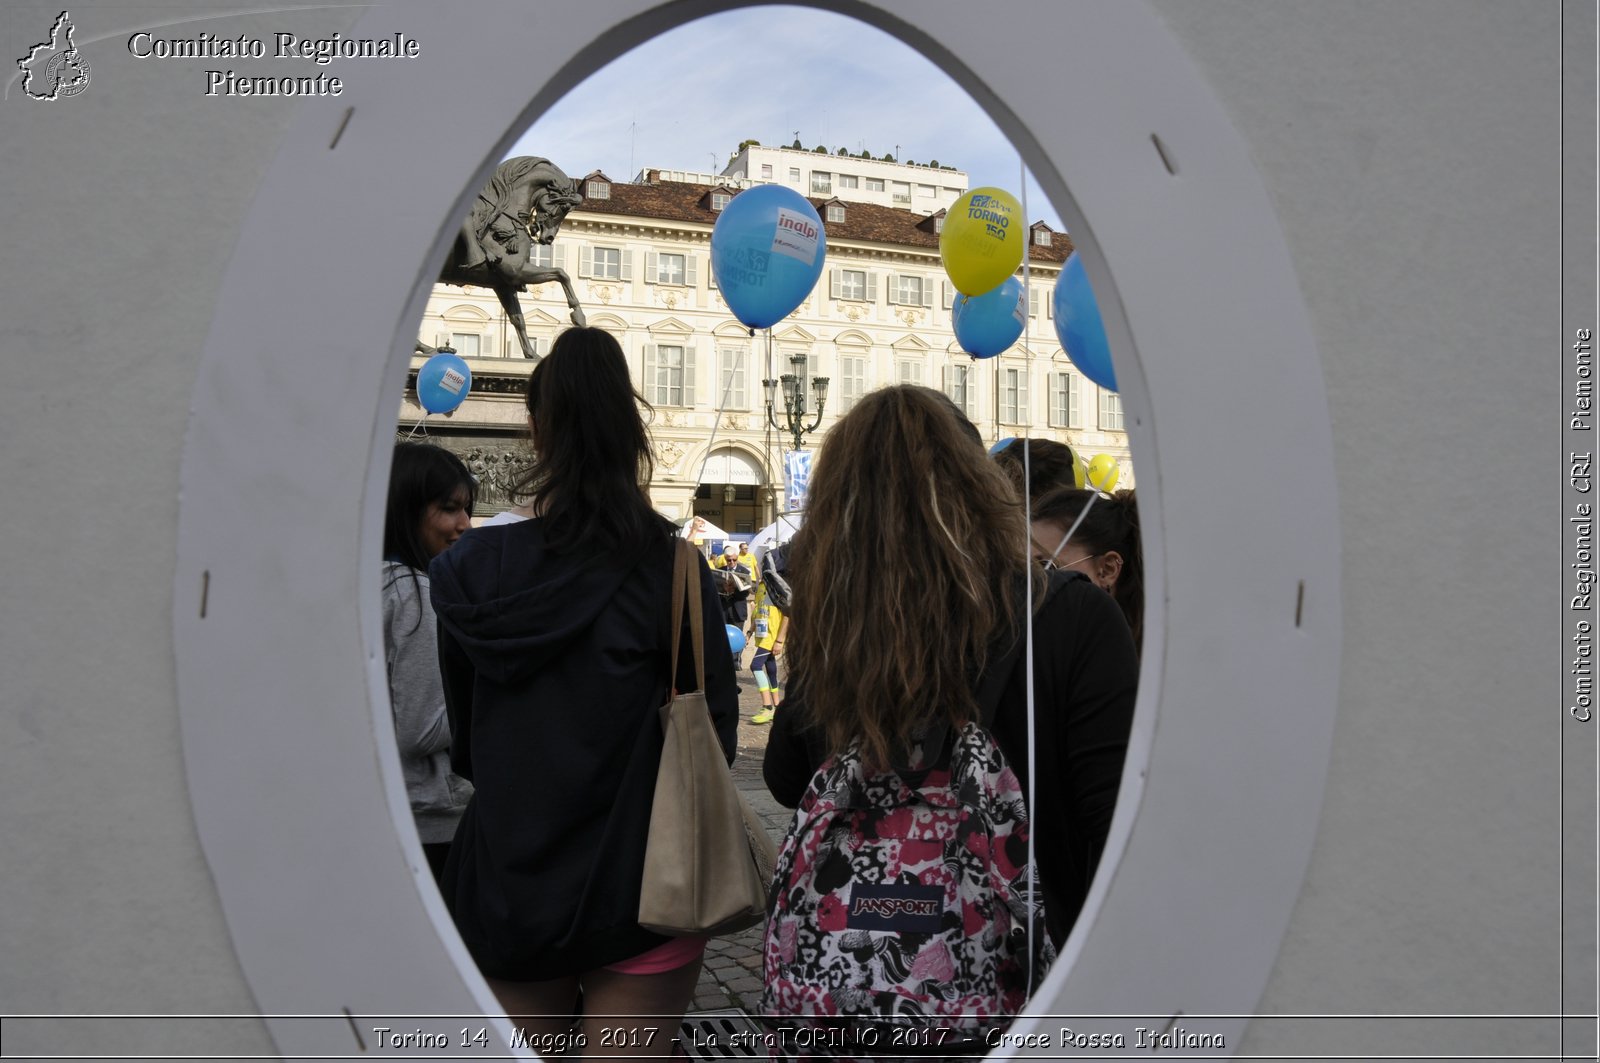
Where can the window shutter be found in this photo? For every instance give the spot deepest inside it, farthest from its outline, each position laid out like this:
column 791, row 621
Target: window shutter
column 927, row 293
column 947, row 294
column 711, row 274
column 1024, row 410
column 872, row 287
column 689, row 270
column 652, row 267
column 649, row 388
column 558, row 256
column 1033, row 301
column 688, row 376
column 585, row 261
column 627, row 265
column 892, row 294
column 833, row 283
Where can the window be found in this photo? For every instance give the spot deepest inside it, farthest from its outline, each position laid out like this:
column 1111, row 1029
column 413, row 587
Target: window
column 927, row 191
column 1064, row 400
column 900, row 192
column 605, row 263
column 766, row 169
column 1012, row 385
column 669, row 269
column 938, row 227
column 1041, row 237
column 669, row 374
column 821, row 183
column 719, row 200
column 874, row 184
column 835, row 213
column 849, row 180
column 852, row 380
column 731, row 363
column 541, row 256
column 960, row 385
column 794, row 174
column 467, row 344
column 907, row 289
column 1110, row 411
column 908, row 371
column 855, row 284
column 597, row 190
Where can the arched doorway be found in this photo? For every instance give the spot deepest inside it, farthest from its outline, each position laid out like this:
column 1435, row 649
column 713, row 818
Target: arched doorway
column 732, row 492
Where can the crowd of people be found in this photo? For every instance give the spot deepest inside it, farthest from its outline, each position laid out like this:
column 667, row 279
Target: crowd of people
column 528, row 659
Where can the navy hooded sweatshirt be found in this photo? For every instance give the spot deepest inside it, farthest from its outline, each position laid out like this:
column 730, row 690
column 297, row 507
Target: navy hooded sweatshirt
column 555, row 666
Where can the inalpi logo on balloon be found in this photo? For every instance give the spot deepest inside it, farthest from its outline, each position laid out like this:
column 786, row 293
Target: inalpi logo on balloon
column 796, row 236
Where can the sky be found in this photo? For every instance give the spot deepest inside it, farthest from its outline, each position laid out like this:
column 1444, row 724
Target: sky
column 685, row 100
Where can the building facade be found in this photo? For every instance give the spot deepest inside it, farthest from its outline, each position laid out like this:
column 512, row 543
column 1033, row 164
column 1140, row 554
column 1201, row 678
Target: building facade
column 639, row 256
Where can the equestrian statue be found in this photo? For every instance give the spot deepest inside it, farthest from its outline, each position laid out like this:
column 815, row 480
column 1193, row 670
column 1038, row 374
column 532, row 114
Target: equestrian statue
column 522, row 205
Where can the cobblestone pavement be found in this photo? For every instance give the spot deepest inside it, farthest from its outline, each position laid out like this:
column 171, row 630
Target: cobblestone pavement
column 732, row 973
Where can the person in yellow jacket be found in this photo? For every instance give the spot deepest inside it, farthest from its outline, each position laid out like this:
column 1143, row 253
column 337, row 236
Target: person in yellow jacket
column 766, row 628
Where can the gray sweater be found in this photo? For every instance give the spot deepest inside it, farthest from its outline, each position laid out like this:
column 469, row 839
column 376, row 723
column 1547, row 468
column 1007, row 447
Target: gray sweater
column 411, row 650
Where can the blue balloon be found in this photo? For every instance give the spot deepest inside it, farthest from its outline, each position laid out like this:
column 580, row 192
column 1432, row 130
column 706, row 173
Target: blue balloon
column 1001, row 445
column 735, row 638
column 442, row 383
column 990, row 323
column 766, row 252
column 1078, row 325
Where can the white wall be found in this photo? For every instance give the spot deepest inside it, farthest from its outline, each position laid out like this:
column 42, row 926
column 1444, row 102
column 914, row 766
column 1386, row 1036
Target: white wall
column 1412, row 151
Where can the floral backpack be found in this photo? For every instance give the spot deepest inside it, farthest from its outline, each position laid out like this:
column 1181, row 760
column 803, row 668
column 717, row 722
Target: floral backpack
column 899, row 911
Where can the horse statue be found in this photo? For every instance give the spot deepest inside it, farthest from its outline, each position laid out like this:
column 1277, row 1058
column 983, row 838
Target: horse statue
column 522, row 206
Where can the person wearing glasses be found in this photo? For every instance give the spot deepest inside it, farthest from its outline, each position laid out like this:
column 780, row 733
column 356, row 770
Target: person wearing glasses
column 1104, row 546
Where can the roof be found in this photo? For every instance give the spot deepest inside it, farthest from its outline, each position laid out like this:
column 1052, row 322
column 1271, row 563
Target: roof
column 863, row 222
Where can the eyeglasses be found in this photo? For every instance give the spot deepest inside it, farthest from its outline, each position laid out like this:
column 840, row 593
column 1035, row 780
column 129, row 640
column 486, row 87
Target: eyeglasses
column 1051, row 564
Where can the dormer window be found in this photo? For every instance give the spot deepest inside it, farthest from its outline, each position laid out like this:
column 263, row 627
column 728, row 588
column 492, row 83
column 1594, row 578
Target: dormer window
column 938, row 224
column 1041, row 237
column 836, row 212
column 719, row 200
column 597, row 190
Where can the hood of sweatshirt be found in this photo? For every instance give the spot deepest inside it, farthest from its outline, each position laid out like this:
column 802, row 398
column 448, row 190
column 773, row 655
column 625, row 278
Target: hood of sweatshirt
column 512, row 603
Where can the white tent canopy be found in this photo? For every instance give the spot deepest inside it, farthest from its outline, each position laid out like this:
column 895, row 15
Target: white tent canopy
column 699, row 529
column 778, row 532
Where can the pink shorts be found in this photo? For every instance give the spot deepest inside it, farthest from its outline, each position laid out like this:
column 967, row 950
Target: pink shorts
column 669, row 957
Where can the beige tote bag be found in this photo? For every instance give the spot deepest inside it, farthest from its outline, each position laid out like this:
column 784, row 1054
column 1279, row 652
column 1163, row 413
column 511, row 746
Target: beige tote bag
column 708, row 863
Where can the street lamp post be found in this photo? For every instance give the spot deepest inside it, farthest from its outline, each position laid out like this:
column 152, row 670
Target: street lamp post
column 794, row 400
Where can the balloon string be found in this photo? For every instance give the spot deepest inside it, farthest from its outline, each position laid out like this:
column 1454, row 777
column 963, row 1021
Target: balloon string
column 418, row 427
column 716, row 425
column 1027, row 557
column 1087, row 506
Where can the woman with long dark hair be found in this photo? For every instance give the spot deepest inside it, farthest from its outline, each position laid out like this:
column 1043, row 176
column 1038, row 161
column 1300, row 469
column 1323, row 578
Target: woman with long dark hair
column 883, row 656
column 430, row 506
column 1104, row 544
column 554, row 645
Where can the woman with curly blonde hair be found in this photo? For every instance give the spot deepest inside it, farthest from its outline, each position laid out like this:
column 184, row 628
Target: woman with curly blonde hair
column 883, row 652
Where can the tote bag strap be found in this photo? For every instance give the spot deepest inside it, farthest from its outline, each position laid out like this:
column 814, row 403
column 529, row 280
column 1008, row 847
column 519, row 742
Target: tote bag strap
column 686, row 590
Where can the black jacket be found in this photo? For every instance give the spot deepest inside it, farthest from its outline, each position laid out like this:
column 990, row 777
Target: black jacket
column 1086, row 674
column 554, row 668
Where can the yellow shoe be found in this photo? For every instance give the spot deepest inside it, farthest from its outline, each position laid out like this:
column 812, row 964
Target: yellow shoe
column 764, row 716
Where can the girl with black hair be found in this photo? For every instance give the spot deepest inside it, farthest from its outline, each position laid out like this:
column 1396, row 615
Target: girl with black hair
column 430, row 506
column 554, row 645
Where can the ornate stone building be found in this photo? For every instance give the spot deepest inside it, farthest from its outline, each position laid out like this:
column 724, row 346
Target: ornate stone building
column 639, row 256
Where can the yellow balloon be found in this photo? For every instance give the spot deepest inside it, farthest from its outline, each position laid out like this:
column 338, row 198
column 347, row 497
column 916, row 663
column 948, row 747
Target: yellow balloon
column 982, row 240
column 1103, row 472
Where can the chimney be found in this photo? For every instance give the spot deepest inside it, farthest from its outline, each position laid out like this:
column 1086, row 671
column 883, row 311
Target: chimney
column 652, row 177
